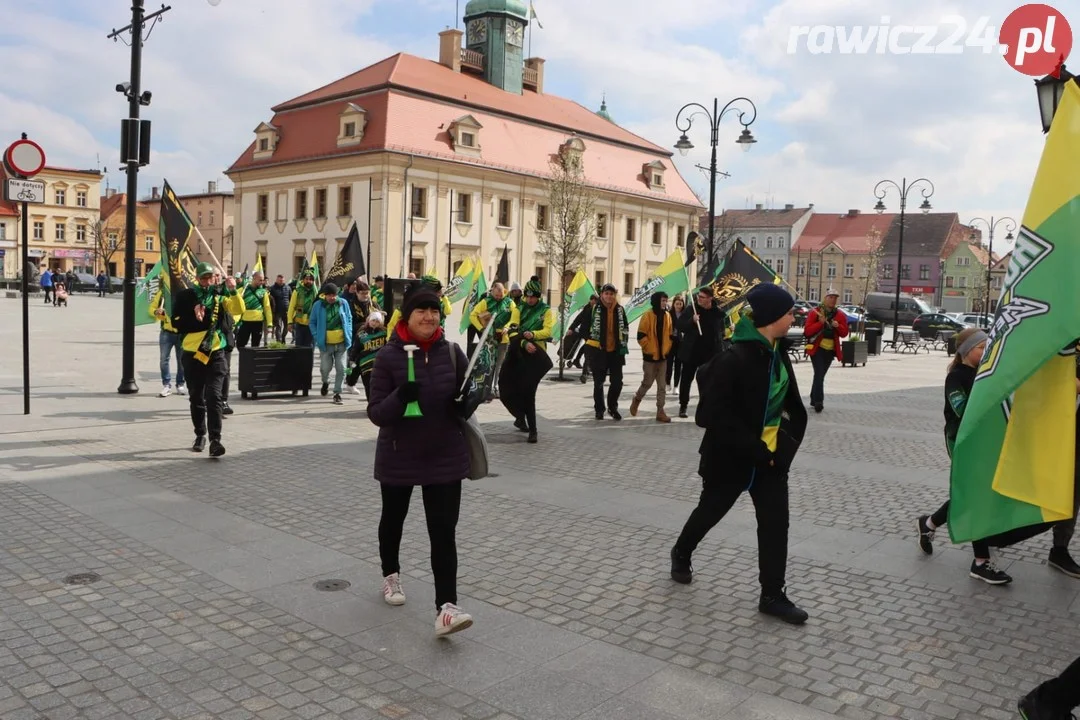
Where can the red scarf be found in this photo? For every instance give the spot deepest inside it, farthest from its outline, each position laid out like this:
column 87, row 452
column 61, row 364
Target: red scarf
column 402, row 331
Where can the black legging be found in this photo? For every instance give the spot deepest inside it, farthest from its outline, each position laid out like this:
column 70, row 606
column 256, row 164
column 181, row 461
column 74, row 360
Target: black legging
column 442, row 504
column 982, row 547
column 674, row 370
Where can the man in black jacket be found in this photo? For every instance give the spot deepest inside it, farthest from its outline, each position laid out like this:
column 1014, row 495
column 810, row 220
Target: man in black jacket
column 580, row 327
column 280, row 292
column 754, row 421
column 703, row 334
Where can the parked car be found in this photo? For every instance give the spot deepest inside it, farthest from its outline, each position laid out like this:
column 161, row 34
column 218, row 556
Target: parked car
column 978, row 320
column 880, row 307
column 84, row 282
column 802, row 309
column 116, row 285
column 928, row 324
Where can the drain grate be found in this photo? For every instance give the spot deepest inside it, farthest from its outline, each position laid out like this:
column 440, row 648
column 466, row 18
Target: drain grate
column 332, row 585
column 82, row 578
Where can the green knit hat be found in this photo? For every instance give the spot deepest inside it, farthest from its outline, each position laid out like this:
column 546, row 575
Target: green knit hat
column 432, row 282
column 532, row 288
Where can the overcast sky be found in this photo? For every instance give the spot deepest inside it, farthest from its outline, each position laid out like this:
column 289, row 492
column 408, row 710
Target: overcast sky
column 829, row 125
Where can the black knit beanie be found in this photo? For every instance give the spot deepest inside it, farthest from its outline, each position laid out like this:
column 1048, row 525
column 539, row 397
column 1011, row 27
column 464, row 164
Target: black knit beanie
column 769, row 302
column 419, row 296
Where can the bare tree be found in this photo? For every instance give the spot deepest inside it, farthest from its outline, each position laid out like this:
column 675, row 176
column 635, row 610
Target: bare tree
column 106, row 243
column 572, row 223
column 875, row 253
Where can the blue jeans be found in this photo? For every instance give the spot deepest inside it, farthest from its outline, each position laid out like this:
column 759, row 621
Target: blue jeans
column 333, row 358
column 169, row 343
column 302, row 336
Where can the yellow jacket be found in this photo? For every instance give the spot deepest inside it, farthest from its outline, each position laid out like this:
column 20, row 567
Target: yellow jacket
column 231, row 304
column 544, row 334
column 257, row 314
column 296, row 316
column 447, row 308
column 482, row 307
column 166, row 321
column 646, row 336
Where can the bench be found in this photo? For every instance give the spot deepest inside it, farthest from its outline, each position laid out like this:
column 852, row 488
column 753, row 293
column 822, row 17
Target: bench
column 941, row 342
column 797, row 346
column 909, row 340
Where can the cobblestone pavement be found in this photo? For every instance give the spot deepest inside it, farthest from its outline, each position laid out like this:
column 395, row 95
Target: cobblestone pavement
column 205, row 606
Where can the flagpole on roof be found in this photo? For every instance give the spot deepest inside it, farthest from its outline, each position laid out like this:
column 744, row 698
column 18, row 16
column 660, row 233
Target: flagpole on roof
column 457, row 7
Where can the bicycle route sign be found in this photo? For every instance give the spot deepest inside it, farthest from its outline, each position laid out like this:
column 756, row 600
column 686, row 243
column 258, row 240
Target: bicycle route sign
column 28, row 191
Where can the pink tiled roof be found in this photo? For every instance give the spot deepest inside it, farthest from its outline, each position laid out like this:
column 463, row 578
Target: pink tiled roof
column 410, row 103
column 852, row 234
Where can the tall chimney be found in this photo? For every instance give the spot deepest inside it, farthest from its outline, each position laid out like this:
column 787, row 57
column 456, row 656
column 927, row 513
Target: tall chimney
column 450, row 49
column 211, row 187
column 789, row 207
column 154, row 194
column 759, row 206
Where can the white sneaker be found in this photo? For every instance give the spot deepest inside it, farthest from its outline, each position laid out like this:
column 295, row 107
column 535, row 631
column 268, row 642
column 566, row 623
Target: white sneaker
column 181, row 389
column 392, row 592
column 165, row 391
column 451, row 619
column 356, row 390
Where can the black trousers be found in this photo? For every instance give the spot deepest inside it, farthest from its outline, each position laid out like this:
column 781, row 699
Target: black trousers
column 249, row 331
column 686, row 382
column 228, row 374
column 204, row 384
column 605, row 366
column 1064, row 690
column 442, row 504
column 769, row 491
column 49, row 291
column 821, row 360
column 674, row 371
column 980, row 548
column 529, row 407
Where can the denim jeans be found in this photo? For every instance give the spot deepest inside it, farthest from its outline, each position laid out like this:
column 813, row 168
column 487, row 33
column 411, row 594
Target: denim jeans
column 302, row 335
column 333, row 357
column 169, row 343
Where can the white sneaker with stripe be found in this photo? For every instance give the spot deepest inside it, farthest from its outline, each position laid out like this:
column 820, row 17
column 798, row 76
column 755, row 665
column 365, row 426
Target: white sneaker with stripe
column 451, row 619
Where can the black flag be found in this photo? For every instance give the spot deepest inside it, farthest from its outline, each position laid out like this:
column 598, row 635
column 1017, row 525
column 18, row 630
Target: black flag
column 502, row 273
column 350, row 262
column 742, row 270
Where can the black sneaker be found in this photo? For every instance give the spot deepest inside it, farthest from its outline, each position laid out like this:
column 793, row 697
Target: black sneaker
column 521, row 425
column 682, row 412
column 681, row 569
column 599, row 416
column 532, row 438
column 216, row 449
column 226, row 409
column 989, row 574
column 199, row 445
column 324, row 389
column 614, row 414
column 779, row 606
column 818, row 408
column 337, row 399
column 1036, row 706
column 1061, row 560
column 926, row 535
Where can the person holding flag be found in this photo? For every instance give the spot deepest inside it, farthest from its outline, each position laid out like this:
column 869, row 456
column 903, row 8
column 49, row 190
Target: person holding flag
column 702, row 330
column 825, row 328
column 203, row 316
column 497, row 307
column 300, row 304
column 608, row 340
column 258, row 317
column 527, row 359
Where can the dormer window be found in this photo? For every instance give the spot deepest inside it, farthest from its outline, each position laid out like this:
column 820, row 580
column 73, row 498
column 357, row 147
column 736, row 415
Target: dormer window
column 351, row 124
column 266, row 139
column 465, row 135
column 571, row 153
column 654, row 174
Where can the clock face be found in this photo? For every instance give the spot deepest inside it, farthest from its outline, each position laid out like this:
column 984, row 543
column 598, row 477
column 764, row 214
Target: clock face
column 477, row 31
column 515, row 33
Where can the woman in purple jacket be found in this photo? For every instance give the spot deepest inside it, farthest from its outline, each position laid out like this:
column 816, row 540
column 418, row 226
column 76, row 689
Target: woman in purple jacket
column 428, row 450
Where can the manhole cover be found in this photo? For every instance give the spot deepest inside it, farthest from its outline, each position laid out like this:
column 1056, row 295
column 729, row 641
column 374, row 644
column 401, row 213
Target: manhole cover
column 82, row 578
column 331, row 585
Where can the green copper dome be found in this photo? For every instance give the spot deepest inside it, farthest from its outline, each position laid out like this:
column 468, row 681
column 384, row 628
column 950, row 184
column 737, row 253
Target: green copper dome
column 603, row 111
column 517, row 8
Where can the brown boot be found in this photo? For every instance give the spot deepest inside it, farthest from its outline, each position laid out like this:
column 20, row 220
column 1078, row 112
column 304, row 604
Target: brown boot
column 662, row 417
column 634, row 404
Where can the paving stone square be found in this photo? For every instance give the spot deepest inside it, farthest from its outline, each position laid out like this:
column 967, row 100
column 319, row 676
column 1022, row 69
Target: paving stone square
column 206, row 605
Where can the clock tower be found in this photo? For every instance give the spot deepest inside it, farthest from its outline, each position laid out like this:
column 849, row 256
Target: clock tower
column 496, row 30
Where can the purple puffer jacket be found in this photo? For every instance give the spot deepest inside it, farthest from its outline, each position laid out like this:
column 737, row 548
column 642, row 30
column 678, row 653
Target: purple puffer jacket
column 428, row 450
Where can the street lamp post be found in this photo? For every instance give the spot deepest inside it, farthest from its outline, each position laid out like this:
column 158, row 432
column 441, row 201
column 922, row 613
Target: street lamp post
column 904, row 187
column 992, row 224
column 134, row 152
column 1049, row 90
column 746, row 140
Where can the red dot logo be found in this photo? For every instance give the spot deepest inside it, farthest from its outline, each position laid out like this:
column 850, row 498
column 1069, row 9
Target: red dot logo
column 1037, row 39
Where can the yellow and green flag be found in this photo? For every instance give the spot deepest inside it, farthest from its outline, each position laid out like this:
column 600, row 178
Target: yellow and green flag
column 478, row 288
column 670, row 277
column 459, row 286
column 576, row 297
column 145, row 290
column 259, row 264
column 1014, row 456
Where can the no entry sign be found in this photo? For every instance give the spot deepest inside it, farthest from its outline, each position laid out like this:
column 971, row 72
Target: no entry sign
column 24, row 157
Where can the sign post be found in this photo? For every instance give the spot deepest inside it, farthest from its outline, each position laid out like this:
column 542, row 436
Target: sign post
column 24, row 159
